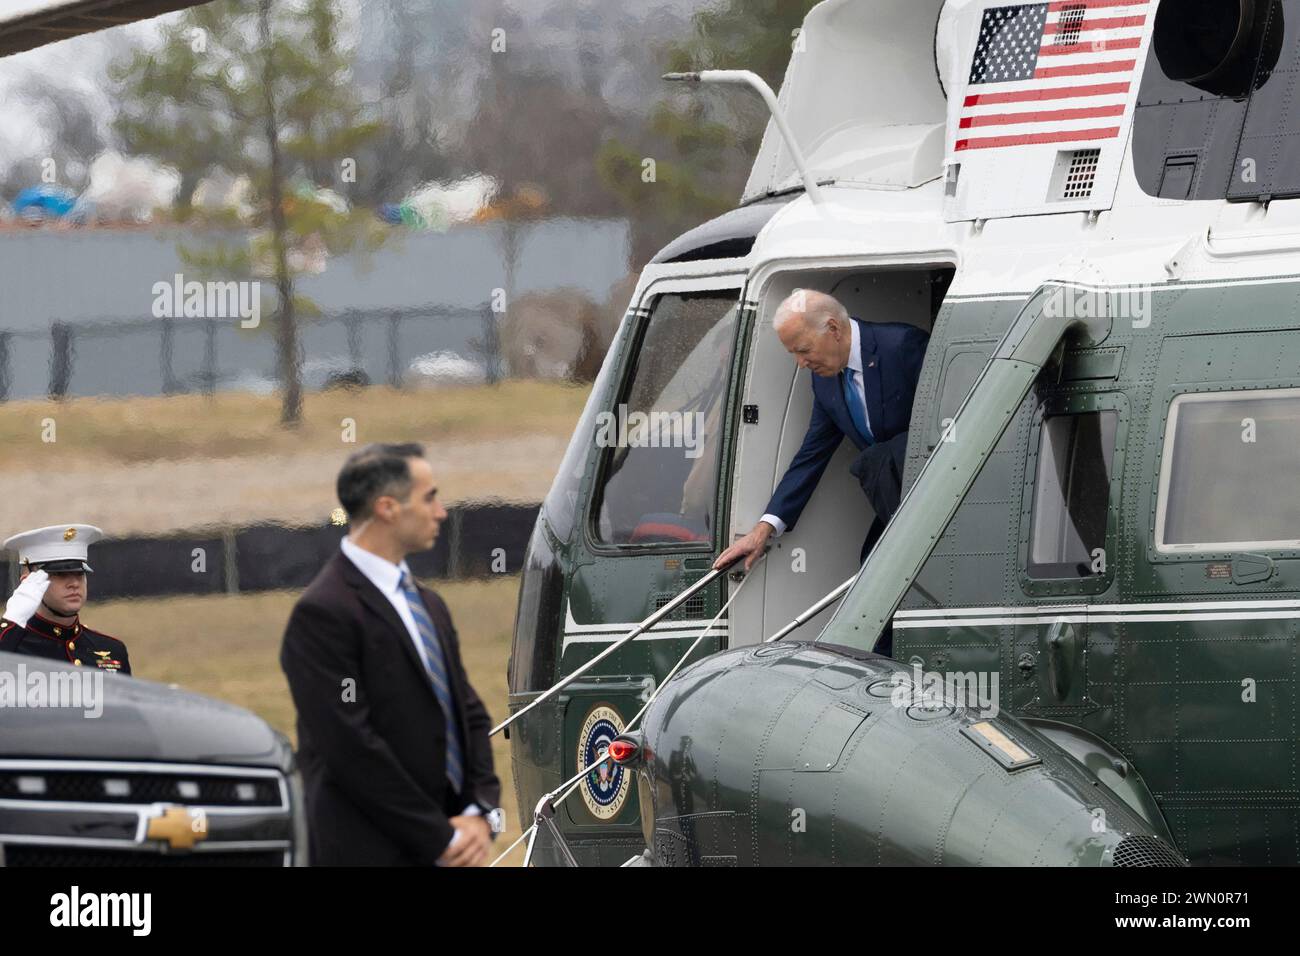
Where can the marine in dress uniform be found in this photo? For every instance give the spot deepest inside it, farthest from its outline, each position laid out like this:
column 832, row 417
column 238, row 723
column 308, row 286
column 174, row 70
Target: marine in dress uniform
column 42, row 617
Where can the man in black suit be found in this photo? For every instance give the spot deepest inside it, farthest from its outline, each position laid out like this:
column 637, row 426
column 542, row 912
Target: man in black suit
column 392, row 740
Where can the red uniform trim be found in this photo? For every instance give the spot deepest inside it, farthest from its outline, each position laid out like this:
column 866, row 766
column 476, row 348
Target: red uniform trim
column 51, row 625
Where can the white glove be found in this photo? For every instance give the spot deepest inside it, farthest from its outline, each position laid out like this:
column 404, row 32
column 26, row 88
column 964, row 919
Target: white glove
column 27, row 598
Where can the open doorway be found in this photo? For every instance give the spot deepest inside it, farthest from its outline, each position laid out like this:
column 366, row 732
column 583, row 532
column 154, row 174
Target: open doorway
column 823, row 549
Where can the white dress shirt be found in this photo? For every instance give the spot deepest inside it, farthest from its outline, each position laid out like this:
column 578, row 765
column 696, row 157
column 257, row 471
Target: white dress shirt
column 387, row 577
column 859, row 387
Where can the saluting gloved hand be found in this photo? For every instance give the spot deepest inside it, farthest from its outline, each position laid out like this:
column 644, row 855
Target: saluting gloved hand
column 27, row 598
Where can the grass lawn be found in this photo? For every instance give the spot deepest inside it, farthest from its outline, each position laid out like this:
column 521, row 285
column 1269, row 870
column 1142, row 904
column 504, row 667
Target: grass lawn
column 228, row 647
column 154, row 466
column 234, row 424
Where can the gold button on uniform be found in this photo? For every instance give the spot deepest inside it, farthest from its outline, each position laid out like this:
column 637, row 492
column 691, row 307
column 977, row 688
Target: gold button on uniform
column 77, row 662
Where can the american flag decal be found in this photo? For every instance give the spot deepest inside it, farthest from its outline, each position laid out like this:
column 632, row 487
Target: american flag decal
column 1057, row 72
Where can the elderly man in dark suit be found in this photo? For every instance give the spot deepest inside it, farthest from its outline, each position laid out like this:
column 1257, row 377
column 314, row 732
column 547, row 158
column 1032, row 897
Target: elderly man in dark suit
column 392, row 739
column 864, row 377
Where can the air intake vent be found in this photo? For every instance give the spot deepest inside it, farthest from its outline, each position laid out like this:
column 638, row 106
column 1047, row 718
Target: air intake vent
column 1070, row 24
column 692, row 610
column 1074, row 175
column 1146, row 851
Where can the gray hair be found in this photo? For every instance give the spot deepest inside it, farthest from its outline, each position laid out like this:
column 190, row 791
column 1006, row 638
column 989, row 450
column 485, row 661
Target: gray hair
column 815, row 308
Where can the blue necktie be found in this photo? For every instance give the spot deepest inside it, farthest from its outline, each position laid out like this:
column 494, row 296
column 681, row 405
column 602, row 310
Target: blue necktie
column 437, row 667
column 856, row 411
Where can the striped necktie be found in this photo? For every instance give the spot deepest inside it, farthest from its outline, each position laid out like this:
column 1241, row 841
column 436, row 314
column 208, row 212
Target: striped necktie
column 436, row 663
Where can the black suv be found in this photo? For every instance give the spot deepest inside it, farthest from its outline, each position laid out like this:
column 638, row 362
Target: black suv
column 160, row 777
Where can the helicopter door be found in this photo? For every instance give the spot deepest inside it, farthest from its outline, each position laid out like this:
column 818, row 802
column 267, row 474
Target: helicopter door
column 1068, row 534
column 653, row 514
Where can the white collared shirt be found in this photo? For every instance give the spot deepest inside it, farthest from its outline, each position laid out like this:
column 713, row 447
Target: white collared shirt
column 859, row 386
column 387, row 577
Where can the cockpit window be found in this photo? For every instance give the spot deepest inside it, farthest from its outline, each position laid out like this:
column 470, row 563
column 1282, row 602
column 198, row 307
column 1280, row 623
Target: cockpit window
column 659, row 467
column 1227, row 476
column 1072, row 495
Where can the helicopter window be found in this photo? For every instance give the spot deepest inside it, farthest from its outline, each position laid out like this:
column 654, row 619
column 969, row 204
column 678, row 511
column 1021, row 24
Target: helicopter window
column 562, row 500
column 1072, row 494
column 962, row 368
column 660, row 470
column 1227, row 473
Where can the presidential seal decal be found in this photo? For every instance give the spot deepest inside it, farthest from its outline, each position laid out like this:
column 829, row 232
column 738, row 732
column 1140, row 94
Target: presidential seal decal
column 605, row 787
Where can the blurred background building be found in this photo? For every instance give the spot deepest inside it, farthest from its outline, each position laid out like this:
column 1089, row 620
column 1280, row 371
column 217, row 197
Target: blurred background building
column 440, row 207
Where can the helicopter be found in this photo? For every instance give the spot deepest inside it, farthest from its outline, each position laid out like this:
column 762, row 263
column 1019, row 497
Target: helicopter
column 1093, row 580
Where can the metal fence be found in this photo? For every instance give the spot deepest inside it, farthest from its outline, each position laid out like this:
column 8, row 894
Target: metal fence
column 168, row 356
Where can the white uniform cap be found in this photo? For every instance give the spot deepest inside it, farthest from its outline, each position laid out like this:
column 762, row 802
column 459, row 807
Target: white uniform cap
column 60, row 547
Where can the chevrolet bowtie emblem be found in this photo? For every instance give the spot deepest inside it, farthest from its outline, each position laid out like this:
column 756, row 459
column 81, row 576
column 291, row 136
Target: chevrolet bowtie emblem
column 180, row 827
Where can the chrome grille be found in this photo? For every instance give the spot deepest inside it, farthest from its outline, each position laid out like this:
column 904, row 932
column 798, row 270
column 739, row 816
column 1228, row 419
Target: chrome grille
column 101, row 787
column 117, row 813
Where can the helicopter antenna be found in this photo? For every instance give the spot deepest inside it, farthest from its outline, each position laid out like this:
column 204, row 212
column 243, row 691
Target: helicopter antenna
column 759, row 85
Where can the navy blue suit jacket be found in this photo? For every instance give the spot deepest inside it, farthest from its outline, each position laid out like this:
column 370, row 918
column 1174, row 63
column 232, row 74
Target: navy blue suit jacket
column 892, row 353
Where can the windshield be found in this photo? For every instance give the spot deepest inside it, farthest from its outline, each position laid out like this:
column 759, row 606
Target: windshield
column 659, row 477
column 561, row 501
